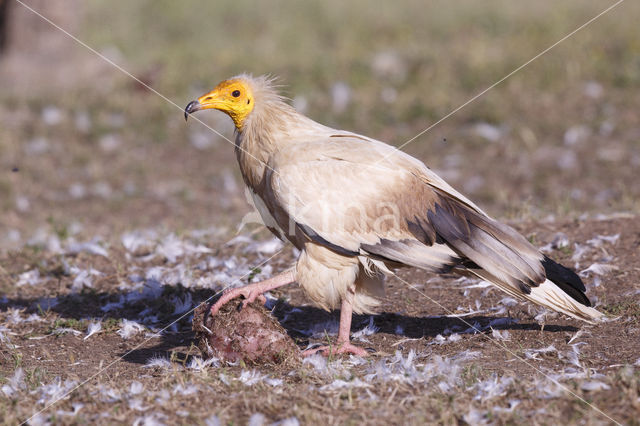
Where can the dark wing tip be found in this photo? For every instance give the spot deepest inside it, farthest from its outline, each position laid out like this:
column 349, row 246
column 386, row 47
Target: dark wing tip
column 567, row 280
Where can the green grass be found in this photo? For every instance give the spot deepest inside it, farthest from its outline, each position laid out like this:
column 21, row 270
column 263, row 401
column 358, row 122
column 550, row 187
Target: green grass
column 69, row 323
column 441, row 55
column 447, row 52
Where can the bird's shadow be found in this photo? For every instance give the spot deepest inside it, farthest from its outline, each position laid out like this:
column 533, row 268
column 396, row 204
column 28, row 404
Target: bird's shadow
column 302, row 323
column 305, row 324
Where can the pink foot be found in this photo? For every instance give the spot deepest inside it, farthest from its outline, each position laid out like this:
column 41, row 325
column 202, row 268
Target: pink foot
column 250, row 295
column 253, row 291
column 344, row 348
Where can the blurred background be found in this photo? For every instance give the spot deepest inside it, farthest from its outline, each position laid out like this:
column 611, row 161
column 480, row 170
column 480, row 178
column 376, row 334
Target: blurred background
column 87, row 150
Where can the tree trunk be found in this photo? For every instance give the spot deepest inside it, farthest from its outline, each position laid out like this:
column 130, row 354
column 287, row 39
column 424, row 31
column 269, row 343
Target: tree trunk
column 4, row 23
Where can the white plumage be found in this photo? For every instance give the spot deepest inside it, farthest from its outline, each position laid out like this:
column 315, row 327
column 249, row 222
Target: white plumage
column 358, row 209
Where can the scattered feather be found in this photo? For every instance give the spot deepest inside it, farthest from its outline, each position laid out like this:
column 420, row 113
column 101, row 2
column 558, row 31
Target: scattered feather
column 108, row 394
column 574, row 355
column 256, row 419
column 40, row 419
column 54, row 391
column 600, row 239
column 14, row 316
column 76, row 406
column 369, row 330
column 265, row 247
column 198, row 364
column 162, row 396
column 575, row 336
column 91, row 247
column 465, row 314
column 224, row 379
column 158, row 362
column 250, row 378
column 33, row 318
column 533, row 353
column 5, row 339
column 136, row 388
column 476, row 417
column 441, row 340
column 579, row 251
column 512, row 405
column 560, row 241
column 64, row 330
column 182, row 305
column 153, row 419
column 291, row 421
column 274, row 382
column 172, row 247
column 212, row 420
column 488, row 131
column 82, row 280
column 342, row 384
column 466, row 355
column 16, row 383
column 594, row 385
column 481, row 284
column 501, row 335
column 129, row 329
column 31, row 277
column 319, row 363
column 134, row 241
column 598, row 269
column 492, row 388
column 185, row 390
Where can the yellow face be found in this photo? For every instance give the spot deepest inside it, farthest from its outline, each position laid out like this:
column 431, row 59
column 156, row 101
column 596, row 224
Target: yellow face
column 233, row 97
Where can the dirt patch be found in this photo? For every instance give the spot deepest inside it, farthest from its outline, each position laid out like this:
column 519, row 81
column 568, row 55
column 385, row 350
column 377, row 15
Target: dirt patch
column 123, row 218
column 455, row 350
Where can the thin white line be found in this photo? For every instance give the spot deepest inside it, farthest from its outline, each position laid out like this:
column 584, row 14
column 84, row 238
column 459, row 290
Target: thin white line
column 508, row 75
column 398, row 148
column 497, row 343
column 84, row 382
column 109, row 61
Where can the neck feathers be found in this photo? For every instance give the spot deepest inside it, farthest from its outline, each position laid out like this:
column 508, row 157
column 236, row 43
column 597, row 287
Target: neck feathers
column 269, row 125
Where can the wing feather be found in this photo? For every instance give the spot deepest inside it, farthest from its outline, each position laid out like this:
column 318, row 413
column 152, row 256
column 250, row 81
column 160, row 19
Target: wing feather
column 356, row 195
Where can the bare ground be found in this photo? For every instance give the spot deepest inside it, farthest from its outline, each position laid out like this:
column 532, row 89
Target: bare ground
column 116, row 218
column 493, row 362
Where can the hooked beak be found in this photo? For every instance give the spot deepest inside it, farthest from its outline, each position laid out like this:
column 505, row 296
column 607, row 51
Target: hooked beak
column 193, row 106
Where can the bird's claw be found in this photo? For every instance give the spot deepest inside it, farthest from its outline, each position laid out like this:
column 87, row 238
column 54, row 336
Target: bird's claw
column 229, row 294
column 252, row 298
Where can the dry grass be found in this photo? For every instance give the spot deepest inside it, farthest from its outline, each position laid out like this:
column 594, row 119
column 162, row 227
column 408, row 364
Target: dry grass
column 123, row 322
column 114, row 212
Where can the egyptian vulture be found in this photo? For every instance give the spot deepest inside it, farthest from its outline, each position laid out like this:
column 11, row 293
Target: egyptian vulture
column 357, row 209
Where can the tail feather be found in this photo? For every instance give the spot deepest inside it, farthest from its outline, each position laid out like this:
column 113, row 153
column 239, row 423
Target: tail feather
column 550, row 295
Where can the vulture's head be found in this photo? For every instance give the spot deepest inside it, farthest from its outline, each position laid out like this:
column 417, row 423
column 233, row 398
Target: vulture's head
column 233, row 97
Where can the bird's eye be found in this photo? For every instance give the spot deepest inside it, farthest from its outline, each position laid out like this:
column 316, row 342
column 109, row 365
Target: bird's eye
column 235, row 93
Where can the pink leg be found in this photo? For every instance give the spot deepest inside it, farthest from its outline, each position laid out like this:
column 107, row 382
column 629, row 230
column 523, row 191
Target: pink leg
column 343, row 345
column 254, row 291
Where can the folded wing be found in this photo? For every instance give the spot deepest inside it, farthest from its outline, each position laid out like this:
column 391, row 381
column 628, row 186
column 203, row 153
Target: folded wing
column 361, row 196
